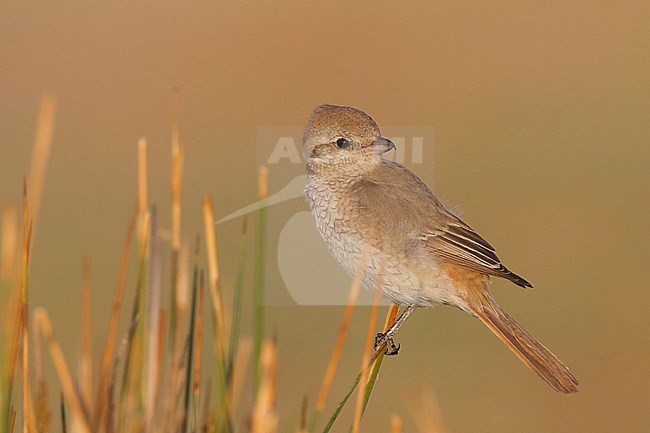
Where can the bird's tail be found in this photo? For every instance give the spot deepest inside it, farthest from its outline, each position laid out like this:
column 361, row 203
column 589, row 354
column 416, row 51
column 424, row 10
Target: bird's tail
column 533, row 353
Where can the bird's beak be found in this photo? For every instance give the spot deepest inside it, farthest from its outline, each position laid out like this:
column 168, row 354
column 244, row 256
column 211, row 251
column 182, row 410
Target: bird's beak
column 379, row 146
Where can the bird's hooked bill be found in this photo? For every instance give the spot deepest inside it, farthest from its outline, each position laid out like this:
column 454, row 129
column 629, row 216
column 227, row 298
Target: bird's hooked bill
column 379, row 146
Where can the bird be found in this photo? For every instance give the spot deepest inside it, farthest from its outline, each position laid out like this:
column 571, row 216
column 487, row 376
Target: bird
column 377, row 217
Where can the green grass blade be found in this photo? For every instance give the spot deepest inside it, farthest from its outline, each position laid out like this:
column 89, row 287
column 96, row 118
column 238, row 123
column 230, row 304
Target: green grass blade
column 64, row 421
column 378, row 355
column 237, row 301
column 372, row 378
column 260, row 245
column 190, row 352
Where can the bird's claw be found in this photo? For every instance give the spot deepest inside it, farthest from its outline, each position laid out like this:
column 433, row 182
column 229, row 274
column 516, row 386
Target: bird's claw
column 392, row 349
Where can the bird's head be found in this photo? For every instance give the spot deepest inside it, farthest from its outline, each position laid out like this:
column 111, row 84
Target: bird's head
column 342, row 138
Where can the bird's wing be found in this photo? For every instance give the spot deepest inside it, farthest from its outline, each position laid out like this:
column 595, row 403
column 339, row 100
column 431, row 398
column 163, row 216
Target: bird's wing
column 403, row 202
column 457, row 243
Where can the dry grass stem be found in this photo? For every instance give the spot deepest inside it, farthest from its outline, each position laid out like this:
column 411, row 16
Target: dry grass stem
column 213, row 275
column 29, row 416
column 199, row 341
column 425, row 410
column 184, row 281
column 86, row 368
column 182, row 307
column 333, row 363
column 176, row 179
column 303, row 416
column 265, row 419
column 240, row 366
column 176, row 173
column 9, row 245
column 152, row 332
column 143, row 206
column 162, row 325
column 10, row 305
column 42, row 320
column 40, row 157
column 29, row 420
column 14, row 349
column 263, row 183
column 42, row 414
column 372, row 323
column 12, row 419
column 395, row 424
column 101, row 399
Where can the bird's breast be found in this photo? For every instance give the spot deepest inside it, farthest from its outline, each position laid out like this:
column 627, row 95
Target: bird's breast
column 407, row 277
column 334, row 219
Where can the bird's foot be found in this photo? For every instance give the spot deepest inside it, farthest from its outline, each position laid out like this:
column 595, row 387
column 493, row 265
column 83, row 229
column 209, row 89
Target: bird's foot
column 387, row 339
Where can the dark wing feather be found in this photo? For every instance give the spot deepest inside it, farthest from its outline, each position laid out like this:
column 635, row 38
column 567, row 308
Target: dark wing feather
column 458, row 243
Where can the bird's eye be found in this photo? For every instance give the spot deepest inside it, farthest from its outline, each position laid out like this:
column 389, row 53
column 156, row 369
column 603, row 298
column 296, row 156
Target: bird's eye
column 343, row 143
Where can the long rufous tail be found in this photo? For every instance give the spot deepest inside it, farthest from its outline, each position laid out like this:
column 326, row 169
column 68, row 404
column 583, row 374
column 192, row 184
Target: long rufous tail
column 533, row 353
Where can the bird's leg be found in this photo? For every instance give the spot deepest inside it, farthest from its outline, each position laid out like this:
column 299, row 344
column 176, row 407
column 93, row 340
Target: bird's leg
column 387, row 337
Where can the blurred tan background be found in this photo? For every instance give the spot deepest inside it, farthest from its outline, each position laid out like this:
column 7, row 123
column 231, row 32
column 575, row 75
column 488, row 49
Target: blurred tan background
column 541, row 113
